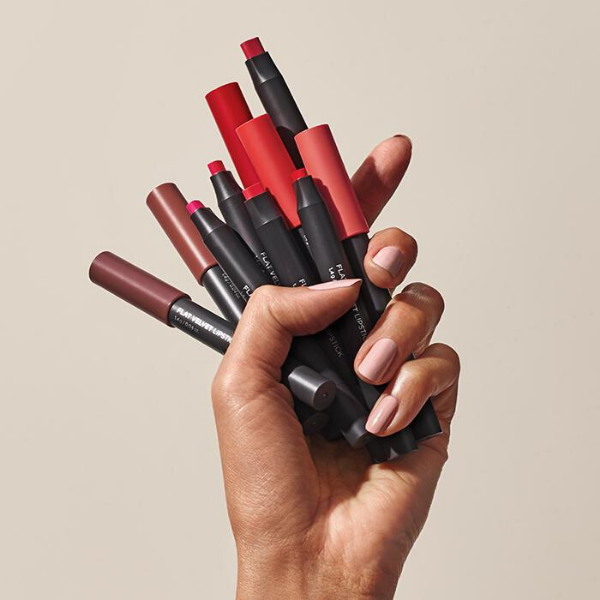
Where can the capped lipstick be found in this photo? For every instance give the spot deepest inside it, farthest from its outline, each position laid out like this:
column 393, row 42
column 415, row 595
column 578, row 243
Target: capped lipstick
column 230, row 110
column 274, row 95
column 231, row 203
column 174, row 308
column 169, row 208
column 323, row 161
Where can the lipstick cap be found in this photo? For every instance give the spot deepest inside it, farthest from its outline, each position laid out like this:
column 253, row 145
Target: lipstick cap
column 272, row 163
column 312, row 421
column 169, row 207
column 229, row 109
column 323, row 161
column 132, row 284
column 310, row 387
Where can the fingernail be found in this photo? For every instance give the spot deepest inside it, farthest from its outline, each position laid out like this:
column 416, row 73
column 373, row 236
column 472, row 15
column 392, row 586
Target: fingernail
column 332, row 285
column 390, row 259
column 378, row 359
column 382, row 414
column 401, row 135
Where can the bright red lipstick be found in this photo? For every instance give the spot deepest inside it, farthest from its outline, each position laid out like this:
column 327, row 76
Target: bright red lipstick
column 252, row 48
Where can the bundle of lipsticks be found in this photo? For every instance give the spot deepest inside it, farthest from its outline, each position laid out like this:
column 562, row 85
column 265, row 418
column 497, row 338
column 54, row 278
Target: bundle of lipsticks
column 296, row 222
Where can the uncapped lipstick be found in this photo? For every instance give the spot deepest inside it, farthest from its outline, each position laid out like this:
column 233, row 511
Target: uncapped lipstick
column 234, row 257
column 174, row 308
column 237, row 261
column 230, row 110
column 168, row 207
column 230, row 200
column 274, row 95
column 323, row 161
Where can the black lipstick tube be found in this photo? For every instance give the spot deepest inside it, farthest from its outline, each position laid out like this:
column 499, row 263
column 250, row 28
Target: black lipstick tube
column 234, row 257
column 237, row 261
column 332, row 263
column 276, row 97
column 293, row 270
column 325, row 164
column 230, row 200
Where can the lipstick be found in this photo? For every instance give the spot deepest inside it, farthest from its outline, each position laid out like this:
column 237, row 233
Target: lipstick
column 230, row 110
column 294, row 271
column 230, row 200
column 234, row 257
column 323, row 161
column 290, row 262
column 168, row 207
column 237, row 261
column 274, row 95
column 174, row 308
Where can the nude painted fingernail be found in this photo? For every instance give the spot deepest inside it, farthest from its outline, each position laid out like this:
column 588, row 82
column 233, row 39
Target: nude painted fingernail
column 332, row 285
column 390, row 259
column 378, row 359
column 382, row 414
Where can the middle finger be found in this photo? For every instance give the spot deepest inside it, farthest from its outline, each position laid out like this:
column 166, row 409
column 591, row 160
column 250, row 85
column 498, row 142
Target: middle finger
column 405, row 328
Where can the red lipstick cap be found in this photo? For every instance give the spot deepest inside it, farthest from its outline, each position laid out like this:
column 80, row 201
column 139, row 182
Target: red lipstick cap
column 230, row 110
column 169, row 207
column 272, row 163
column 132, row 284
column 323, row 161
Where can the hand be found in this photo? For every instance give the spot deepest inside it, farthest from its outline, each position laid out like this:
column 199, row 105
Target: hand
column 311, row 518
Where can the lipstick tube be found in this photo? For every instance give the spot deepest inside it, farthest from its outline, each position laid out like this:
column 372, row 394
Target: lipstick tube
column 290, row 261
column 168, row 207
column 237, row 261
column 230, row 200
column 294, row 271
column 234, row 257
column 174, row 308
column 323, row 161
column 275, row 96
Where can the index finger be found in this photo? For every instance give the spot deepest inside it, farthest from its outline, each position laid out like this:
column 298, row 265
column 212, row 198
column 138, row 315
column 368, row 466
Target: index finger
column 377, row 178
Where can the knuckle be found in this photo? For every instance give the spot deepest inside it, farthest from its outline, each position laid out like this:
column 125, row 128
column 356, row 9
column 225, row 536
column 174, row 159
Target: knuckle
column 262, row 296
column 412, row 247
column 426, row 293
column 413, row 318
column 450, row 354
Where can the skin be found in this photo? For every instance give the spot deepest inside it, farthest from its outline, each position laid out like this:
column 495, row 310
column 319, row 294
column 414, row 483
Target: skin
column 314, row 519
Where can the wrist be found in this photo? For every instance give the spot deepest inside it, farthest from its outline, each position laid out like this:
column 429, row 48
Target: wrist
column 266, row 575
column 292, row 575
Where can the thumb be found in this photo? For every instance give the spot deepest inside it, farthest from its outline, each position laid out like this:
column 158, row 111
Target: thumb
column 274, row 315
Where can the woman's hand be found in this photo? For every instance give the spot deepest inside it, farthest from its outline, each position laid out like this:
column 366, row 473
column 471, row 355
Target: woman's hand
column 311, row 518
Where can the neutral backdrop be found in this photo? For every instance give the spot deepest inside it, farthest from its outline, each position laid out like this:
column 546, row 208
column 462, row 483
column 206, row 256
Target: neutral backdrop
column 110, row 483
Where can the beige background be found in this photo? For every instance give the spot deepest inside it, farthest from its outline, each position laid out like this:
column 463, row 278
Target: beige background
column 109, row 471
